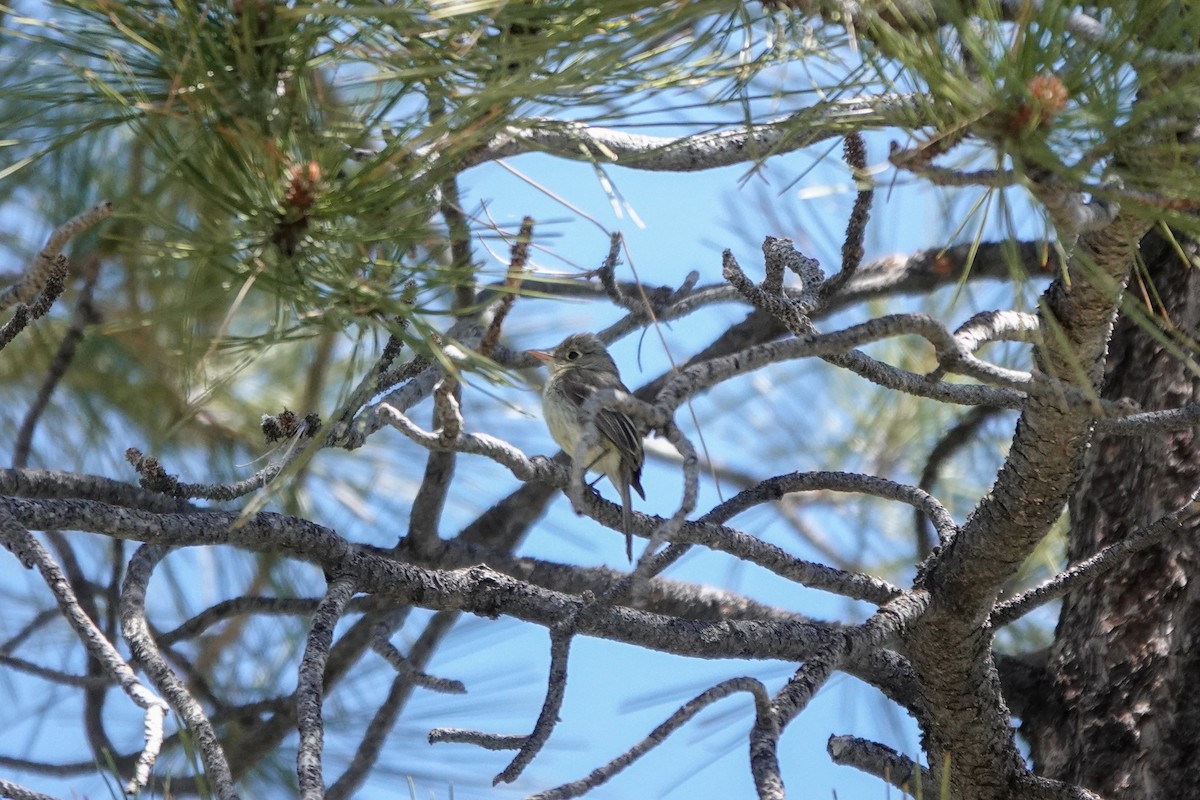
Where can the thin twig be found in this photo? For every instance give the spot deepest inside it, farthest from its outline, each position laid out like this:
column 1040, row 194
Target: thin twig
column 556, row 690
column 24, row 314
column 518, row 259
column 657, row 736
column 961, row 434
column 375, row 737
column 31, row 553
column 310, row 688
column 83, row 315
column 152, row 476
column 855, row 154
column 44, row 264
column 884, row 763
column 145, row 652
column 485, row 741
column 16, row 791
column 1094, row 566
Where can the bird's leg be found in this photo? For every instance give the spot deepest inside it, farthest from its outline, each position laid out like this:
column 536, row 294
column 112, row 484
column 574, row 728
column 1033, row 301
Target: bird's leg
column 589, row 467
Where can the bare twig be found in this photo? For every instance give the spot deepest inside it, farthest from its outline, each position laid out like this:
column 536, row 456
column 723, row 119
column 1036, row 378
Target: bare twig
column 884, row 763
column 46, row 261
column 837, row 348
column 958, row 436
column 440, row 463
column 152, row 476
column 16, row 791
column 883, row 626
column 768, row 297
column 310, row 688
column 38, row 622
column 54, row 675
column 374, row 738
column 31, row 553
column 486, row 741
column 668, row 530
column 607, row 273
column 1097, row 564
column 556, row 690
column 146, row 653
column 227, row 609
column 773, row 488
column 704, row 531
column 84, row 315
column 1151, row 422
column 704, row 151
column 518, row 258
column 458, row 230
column 657, row 736
column 24, row 314
column 402, row 665
column 855, row 153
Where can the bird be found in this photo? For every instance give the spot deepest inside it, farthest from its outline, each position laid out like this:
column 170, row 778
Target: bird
column 579, row 367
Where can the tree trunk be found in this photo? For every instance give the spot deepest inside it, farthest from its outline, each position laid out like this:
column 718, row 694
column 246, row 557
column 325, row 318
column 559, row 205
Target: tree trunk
column 1125, row 721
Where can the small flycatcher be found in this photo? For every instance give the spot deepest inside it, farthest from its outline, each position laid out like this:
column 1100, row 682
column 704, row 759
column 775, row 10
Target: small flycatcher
column 579, row 367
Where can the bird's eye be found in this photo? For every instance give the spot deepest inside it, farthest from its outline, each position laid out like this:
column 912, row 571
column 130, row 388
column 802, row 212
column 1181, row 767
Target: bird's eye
column 572, row 355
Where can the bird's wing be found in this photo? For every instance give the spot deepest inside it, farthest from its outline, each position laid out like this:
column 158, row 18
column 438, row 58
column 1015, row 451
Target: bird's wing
column 616, row 426
column 620, row 429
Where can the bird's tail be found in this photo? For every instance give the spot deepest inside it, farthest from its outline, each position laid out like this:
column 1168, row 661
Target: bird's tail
column 627, row 517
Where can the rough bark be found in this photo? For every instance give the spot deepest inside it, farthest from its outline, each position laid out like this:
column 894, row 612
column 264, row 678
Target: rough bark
column 968, row 726
column 1126, row 720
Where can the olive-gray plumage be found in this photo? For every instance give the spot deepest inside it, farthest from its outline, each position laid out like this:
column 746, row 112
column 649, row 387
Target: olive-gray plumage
column 579, row 367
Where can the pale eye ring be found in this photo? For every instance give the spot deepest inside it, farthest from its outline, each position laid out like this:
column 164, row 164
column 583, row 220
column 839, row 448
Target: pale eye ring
column 572, row 355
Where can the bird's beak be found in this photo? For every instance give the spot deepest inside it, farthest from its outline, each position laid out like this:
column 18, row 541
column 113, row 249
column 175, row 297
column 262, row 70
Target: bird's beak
column 541, row 355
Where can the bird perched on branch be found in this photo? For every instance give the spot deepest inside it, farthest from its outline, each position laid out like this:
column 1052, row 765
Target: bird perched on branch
column 580, row 367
